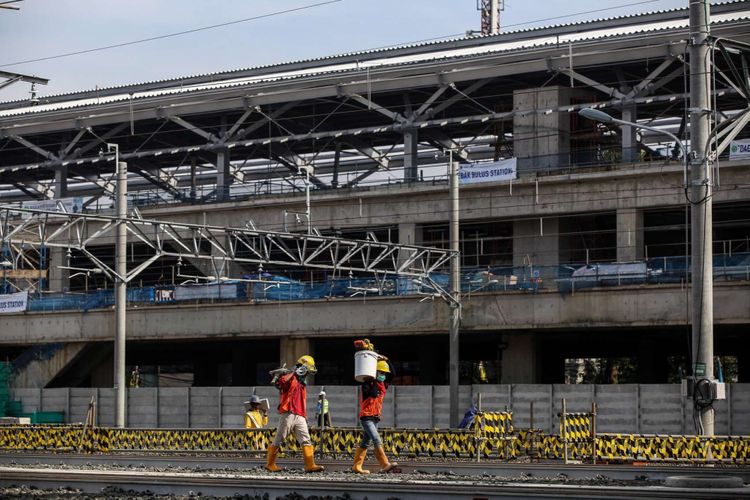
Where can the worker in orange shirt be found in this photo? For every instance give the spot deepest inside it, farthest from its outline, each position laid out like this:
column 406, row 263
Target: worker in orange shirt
column 293, row 410
column 371, row 398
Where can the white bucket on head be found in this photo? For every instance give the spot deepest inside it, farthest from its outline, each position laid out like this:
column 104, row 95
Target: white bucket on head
column 365, row 365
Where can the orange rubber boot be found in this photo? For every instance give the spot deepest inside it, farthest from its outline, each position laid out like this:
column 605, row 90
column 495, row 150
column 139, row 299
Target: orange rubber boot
column 385, row 465
column 273, row 452
column 359, row 460
column 307, row 452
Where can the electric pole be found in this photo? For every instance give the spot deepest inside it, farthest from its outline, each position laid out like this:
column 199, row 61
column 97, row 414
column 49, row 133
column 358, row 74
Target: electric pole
column 455, row 290
column 701, row 204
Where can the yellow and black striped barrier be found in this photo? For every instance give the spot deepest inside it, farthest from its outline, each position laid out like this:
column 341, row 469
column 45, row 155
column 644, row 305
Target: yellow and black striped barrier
column 439, row 444
column 578, row 434
column 494, row 434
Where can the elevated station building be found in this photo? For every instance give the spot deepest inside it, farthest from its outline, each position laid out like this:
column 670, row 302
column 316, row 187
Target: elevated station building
column 573, row 241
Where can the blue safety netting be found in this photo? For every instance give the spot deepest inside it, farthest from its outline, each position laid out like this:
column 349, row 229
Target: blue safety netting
column 98, row 299
column 267, row 287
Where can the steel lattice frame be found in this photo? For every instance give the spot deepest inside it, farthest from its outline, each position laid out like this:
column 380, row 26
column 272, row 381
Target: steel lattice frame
column 222, row 244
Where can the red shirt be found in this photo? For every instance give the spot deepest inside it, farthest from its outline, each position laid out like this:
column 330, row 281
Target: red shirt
column 293, row 395
column 371, row 399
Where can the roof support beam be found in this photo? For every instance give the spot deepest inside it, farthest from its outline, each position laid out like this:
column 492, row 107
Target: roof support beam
column 266, row 118
column 36, row 190
column 157, row 176
column 459, row 96
column 364, row 175
column 34, row 147
column 610, row 91
column 98, row 141
column 230, row 133
column 440, row 91
column 442, row 141
column 72, row 143
column 295, row 164
column 380, row 158
column 189, row 126
column 396, row 117
column 643, row 86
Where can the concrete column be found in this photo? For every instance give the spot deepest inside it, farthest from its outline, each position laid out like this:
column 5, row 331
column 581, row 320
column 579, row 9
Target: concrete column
column 630, row 153
column 541, row 141
column 61, row 182
column 411, row 160
column 629, row 234
column 520, row 359
column 408, row 234
column 536, row 242
column 292, row 348
column 58, row 279
column 223, row 175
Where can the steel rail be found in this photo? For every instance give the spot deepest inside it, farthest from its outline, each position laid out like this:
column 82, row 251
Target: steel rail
column 240, row 461
column 375, row 488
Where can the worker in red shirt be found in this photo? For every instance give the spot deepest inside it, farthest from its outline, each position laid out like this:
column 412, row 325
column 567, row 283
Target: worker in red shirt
column 371, row 398
column 293, row 410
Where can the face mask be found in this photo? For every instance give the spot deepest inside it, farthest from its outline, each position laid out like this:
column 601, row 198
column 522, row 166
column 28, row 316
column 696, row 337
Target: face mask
column 380, row 378
column 301, row 371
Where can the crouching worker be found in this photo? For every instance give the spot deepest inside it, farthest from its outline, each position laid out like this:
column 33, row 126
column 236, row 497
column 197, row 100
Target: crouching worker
column 293, row 410
column 370, row 408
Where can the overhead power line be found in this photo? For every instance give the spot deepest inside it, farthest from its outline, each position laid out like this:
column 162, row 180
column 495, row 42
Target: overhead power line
column 4, row 5
column 170, row 35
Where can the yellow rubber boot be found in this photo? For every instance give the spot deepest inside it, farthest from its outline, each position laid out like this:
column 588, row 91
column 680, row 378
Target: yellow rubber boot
column 307, row 452
column 359, row 460
column 385, row 465
column 273, row 452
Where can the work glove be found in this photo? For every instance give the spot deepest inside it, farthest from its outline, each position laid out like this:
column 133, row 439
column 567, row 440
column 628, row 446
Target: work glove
column 278, row 373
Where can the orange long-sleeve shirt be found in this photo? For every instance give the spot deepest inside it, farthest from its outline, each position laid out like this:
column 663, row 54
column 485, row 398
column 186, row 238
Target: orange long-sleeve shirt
column 293, row 395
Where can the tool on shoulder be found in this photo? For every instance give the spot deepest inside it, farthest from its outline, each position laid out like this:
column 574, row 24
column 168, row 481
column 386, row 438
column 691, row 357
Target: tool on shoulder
column 278, row 373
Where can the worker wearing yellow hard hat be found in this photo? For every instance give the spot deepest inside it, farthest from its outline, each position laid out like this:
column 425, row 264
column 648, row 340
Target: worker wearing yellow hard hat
column 292, row 385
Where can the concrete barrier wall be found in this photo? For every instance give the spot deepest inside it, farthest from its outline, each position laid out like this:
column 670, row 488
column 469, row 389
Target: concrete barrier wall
column 628, row 408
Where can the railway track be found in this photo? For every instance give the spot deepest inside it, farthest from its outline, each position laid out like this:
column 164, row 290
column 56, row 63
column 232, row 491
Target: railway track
column 374, row 487
column 230, row 476
column 459, row 468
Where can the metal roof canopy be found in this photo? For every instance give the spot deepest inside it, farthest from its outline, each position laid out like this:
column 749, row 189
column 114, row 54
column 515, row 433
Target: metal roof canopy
column 290, row 121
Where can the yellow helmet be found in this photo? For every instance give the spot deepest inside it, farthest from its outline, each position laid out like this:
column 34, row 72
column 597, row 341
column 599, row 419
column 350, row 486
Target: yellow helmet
column 383, row 366
column 308, row 362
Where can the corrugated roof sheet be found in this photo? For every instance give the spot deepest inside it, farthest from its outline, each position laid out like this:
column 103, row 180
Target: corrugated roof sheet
column 391, row 57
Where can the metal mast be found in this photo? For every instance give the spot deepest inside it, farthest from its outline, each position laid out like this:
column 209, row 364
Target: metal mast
column 490, row 10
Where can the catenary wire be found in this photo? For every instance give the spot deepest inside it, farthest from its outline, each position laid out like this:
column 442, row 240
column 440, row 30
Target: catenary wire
column 170, row 35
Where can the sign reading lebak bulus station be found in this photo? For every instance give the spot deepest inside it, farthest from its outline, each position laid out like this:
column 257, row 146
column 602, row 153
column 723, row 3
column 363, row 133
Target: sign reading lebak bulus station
column 474, row 173
column 739, row 149
column 14, row 302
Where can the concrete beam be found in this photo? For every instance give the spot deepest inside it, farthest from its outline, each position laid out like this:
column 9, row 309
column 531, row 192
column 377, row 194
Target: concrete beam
column 621, row 307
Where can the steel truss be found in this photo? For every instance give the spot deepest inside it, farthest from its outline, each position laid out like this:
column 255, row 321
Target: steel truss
column 446, row 83
column 218, row 245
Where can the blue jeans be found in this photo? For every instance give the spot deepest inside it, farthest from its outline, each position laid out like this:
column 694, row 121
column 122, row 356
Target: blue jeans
column 370, row 427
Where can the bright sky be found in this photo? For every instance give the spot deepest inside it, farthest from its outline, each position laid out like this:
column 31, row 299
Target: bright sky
column 44, row 28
